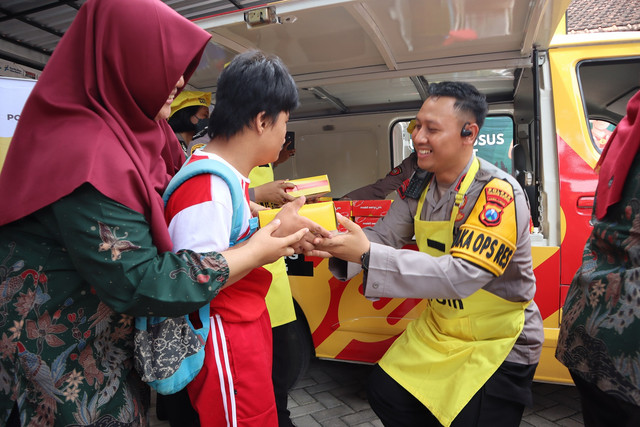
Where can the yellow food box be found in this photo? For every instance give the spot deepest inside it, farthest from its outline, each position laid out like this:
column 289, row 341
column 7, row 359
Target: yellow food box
column 311, row 187
column 322, row 214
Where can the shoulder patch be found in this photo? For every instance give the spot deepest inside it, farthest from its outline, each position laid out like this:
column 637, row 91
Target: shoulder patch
column 196, row 146
column 395, row 171
column 497, row 199
column 489, row 236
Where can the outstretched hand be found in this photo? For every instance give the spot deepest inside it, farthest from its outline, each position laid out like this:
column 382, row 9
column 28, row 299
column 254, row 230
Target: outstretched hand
column 263, row 247
column 292, row 221
column 348, row 246
column 267, row 247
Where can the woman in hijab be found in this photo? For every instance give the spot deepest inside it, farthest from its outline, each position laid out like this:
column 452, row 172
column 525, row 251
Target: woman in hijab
column 83, row 240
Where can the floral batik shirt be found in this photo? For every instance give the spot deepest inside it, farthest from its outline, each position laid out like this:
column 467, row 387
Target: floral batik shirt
column 72, row 275
column 600, row 332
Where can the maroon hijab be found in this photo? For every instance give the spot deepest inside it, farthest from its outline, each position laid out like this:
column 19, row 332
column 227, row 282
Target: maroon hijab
column 617, row 157
column 90, row 116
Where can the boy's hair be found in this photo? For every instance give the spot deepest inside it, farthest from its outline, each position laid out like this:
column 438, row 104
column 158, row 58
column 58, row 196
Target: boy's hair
column 180, row 121
column 468, row 99
column 252, row 82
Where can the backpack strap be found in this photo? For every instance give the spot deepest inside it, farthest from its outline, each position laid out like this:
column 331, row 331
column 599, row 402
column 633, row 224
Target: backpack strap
column 215, row 167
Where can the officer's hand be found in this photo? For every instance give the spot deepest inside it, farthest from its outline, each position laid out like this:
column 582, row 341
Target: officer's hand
column 292, row 222
column 348, row 246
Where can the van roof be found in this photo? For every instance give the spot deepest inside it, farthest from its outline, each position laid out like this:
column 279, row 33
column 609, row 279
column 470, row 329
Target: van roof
column 565, row 40
column 351, row 56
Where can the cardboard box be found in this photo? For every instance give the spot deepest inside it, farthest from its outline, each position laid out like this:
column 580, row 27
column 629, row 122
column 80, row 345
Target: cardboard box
column 370, row 207
column 322, row 214
column 314, row 186
column 366, row 221
column 343, row 207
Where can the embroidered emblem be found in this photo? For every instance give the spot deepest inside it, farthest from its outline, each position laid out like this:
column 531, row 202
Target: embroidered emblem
column 114, row 243
column 197, row 146
column 497, row 200
column 395, row 171
column 460, row 215
column 403, row 188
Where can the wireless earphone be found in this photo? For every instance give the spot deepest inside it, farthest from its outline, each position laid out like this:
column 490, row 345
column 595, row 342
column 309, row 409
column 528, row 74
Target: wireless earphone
column 465, row 131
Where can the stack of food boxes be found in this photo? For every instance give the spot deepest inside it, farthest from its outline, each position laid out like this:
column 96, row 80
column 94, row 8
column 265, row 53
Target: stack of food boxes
column 322, row 210
column 367, row 212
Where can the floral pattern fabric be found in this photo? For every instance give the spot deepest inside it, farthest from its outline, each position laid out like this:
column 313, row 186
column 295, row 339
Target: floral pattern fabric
column 72, row 275
column 599, row 335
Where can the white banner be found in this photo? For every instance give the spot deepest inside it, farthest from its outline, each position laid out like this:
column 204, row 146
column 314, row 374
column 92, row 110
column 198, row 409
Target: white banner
column 13, row 95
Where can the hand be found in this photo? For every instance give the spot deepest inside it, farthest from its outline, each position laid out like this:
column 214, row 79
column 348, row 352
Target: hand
column 284, row 155
column 266, row 247
column 348, row 246
column 255, row 208
column 274, row 192
column 260, row 249
column 292, row 221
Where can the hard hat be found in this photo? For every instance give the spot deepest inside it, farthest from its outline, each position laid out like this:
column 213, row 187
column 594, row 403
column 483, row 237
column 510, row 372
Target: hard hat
column 188, row 98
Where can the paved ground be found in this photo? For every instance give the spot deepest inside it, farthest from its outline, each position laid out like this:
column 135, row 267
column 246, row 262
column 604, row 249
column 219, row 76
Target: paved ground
column 332, row 394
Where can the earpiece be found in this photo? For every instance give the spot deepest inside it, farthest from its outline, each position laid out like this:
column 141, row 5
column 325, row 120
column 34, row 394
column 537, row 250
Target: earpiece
column 465, row 131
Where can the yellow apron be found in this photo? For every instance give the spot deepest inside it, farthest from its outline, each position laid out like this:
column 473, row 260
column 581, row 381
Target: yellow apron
column 279, row 299
column 446, row 355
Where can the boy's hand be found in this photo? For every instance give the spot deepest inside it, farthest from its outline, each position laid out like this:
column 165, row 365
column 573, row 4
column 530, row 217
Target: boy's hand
column 348, row 246
column 292, row 221
column 268, row 248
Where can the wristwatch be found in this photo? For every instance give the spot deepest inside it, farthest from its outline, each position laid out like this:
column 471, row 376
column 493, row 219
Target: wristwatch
column 364, row 259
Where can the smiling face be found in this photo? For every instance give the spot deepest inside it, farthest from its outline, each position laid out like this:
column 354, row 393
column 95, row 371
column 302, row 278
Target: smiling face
column 437, row 141
column 165, row 111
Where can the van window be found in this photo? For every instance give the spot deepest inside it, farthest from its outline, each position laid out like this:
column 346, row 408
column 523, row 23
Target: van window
column 606, row 86
column 494, row 143
column 600, row 132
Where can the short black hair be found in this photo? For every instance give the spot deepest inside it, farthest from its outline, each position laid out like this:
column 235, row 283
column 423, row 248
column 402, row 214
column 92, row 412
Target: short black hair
column 252, row 82
column 468, row 98
column 180, row 121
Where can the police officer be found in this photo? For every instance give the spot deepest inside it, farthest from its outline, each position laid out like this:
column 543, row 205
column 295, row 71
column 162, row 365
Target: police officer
column 469, row 359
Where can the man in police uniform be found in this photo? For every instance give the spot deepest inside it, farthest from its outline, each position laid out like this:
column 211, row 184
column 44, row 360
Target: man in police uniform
column 470, row 357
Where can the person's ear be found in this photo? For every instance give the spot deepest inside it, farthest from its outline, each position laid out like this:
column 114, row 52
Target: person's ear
column 260, row 122
column 469, row 132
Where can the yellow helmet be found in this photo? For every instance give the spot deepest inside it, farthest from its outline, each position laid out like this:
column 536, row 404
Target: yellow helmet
column 188, row 98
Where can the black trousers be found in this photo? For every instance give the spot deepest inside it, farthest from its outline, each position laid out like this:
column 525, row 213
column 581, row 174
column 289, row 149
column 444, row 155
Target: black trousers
column 499, row 403
column 176, row 408
column 600, row 409
column 279, row 375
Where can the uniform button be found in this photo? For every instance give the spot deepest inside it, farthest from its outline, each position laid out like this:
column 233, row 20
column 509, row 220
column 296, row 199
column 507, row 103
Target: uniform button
column 375, row 286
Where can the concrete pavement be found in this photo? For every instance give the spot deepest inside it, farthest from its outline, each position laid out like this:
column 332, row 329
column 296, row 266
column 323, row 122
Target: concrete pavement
column 332, row 394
